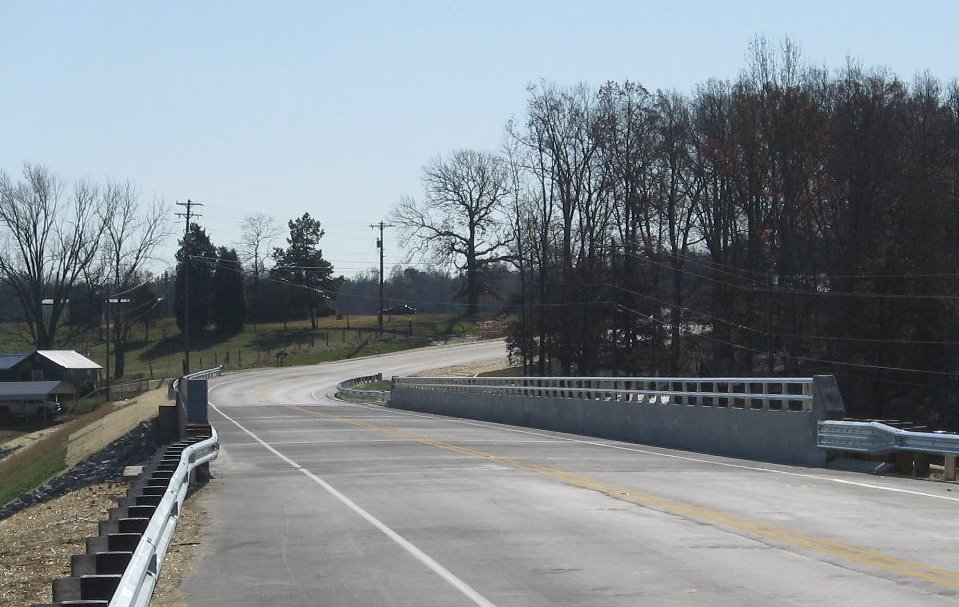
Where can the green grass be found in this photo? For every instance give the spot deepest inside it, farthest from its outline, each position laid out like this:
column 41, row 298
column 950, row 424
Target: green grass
column 376, row 385
column 159, row 353
column 33, row 465
column 30, row 467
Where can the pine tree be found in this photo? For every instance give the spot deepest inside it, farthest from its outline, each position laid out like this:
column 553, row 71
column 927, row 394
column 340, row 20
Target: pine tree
column 229, row 296
column 301, row 265
column 201, row 258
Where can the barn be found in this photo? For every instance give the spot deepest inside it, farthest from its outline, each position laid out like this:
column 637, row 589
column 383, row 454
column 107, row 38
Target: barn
column 67, row 366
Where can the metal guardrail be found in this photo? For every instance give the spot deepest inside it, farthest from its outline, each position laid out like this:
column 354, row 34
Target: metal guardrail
column 875, row 438
column 205, row 374
column 345, row 389
column 775, row 394
column 139, row 579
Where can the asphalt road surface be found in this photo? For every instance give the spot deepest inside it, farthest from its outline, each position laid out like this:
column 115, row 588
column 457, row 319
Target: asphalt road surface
column 320, row 502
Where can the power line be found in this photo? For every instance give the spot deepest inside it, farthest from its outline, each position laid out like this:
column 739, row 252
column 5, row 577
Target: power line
column 794, row 291
column 797, row 357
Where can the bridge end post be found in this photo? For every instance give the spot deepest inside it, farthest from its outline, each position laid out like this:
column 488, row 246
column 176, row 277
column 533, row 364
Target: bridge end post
column 827, row 401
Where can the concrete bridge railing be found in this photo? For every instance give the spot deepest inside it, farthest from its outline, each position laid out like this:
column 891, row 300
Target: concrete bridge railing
column 770, row 419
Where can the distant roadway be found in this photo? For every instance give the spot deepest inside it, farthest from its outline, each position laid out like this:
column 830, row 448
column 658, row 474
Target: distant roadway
column 319, row 502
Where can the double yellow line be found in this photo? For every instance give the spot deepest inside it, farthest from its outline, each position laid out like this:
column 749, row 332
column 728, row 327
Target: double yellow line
column 686, row 510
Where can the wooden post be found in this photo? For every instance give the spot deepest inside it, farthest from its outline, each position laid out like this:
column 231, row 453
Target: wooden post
column 950, row 472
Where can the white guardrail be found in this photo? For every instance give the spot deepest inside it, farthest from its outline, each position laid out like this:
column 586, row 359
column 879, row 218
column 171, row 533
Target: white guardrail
column 136, row 585
column 205, row 374
column 777, row 394
column 141, row 574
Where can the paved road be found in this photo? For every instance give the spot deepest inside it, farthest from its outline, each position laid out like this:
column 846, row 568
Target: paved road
column 319, row 502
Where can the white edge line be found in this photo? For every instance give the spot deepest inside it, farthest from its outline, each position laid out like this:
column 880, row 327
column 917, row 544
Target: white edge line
column 421, row 556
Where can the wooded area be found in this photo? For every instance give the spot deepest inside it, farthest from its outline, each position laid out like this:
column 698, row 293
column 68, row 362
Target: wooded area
column 795, row 221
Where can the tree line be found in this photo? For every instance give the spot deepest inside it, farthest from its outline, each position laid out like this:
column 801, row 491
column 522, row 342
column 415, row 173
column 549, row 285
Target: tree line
column 79, row 257
column 300, row 283
column 793, row 221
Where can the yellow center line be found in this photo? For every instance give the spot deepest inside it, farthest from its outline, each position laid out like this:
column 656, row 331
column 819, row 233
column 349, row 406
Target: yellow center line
column 778, row 534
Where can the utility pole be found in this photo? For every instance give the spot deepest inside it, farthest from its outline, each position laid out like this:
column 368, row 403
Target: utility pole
column 108, row 346
column 379, row 245
column 189, row 204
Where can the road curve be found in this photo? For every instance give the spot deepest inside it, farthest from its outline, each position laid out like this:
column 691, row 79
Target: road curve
column 319, row 502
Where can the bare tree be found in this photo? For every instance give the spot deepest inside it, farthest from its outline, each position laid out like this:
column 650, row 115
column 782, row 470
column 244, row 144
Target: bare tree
column 566, row 163
column 626, row 134
column 131, row 232
column 259, row 232
column 458, row 221
column 672, row 200
column 48, row 243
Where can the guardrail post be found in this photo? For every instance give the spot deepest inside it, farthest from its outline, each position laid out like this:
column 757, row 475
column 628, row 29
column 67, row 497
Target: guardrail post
column 905, row 463
column 950, row 472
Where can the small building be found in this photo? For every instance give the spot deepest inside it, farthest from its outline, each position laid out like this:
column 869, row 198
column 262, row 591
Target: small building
column 67, row 366
column 46, row 308
column 34, row 390
column 16, row 367
column 31, row 399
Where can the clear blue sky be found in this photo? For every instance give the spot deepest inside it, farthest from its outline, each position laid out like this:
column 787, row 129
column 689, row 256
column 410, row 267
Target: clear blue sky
column 333, row 108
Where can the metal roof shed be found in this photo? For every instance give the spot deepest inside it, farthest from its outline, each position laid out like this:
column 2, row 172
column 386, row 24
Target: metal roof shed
column 32, row 390
column 68, row 366
column 68, row 359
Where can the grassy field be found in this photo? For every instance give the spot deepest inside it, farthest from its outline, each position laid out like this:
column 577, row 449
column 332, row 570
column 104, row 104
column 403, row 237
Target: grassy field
column 157, row 351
